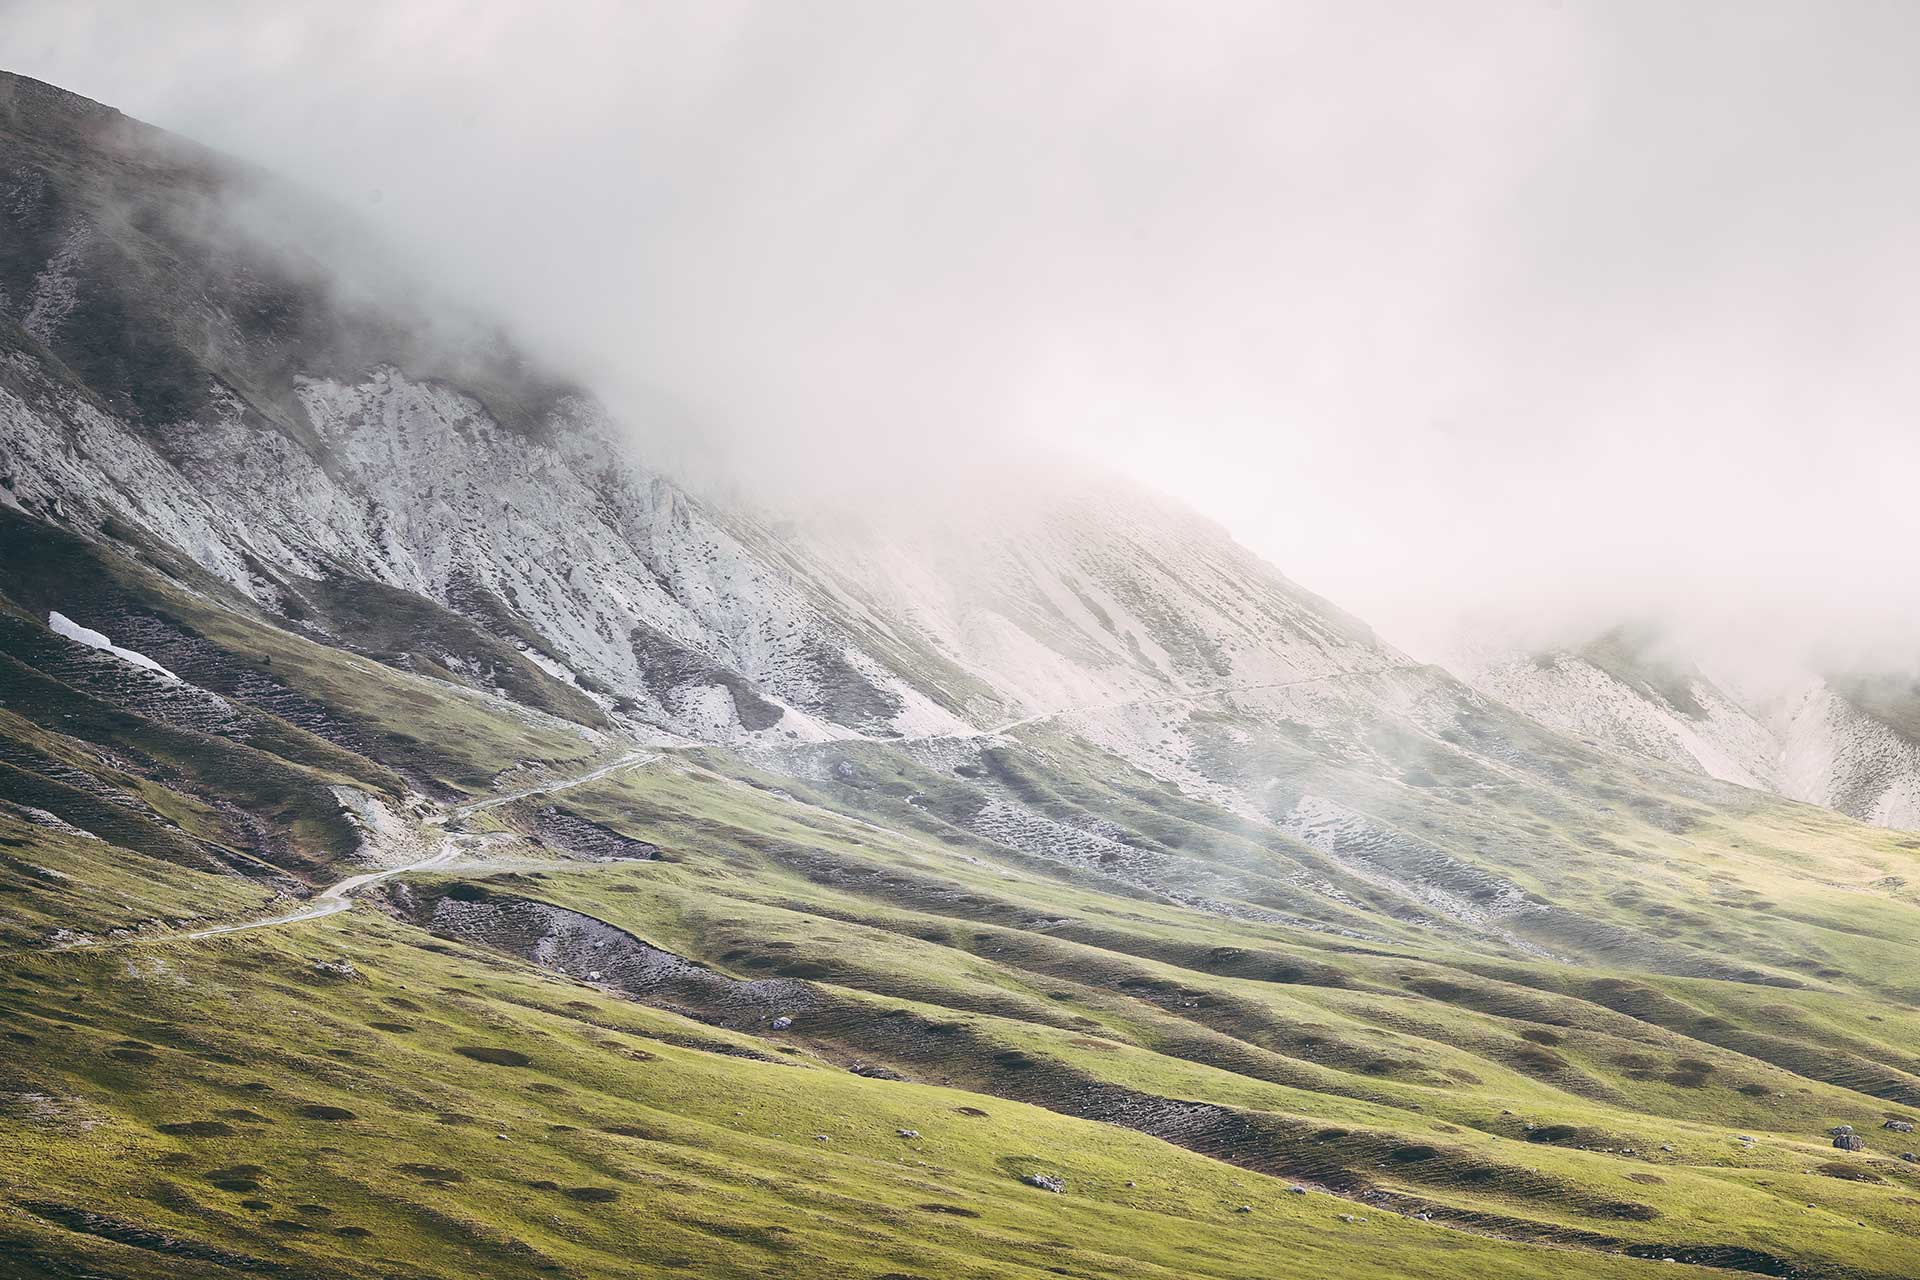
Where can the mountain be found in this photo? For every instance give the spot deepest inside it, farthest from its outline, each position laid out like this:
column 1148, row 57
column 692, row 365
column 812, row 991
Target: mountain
column 434, row 842
column 253, row 430
column 1845, row 743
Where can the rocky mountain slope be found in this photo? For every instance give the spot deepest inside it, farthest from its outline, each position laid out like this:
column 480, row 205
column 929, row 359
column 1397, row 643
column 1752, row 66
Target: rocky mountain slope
column 434, row 843
column 1846, row 744
column 252, row 429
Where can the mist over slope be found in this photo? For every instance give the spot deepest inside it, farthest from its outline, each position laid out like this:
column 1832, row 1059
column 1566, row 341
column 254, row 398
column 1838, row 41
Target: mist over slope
column 1842, row 740
column 228, row 407
column 504, row 860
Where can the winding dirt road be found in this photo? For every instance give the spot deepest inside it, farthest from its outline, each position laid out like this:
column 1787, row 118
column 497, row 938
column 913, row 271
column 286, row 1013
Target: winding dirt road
column 475, row 806
column 338, row 897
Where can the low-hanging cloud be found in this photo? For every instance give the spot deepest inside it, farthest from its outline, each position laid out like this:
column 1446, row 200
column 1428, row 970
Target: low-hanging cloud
column 1561, row 313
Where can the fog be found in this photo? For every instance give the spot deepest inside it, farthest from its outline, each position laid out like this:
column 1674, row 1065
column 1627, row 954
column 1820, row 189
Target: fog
column 1547, row 314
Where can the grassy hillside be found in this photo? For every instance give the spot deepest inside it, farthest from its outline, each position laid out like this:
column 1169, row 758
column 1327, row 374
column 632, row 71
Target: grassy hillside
column 558, row 1055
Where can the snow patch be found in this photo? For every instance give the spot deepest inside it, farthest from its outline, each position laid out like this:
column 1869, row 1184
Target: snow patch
column 65, row 626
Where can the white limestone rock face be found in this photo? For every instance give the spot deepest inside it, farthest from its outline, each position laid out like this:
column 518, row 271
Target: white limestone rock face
column 1835, row 754
column 1076, row 593
column 1808, row 742
column 702, row 621
column 623, row 577
column 1710, row 734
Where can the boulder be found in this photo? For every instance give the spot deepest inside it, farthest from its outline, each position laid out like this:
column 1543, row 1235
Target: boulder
column 1850, row 1142
column 782, row 1022
column 1899, row 1126
column 1046, row 1182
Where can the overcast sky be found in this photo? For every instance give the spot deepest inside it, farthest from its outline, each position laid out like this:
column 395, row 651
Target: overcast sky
column 1577, row 310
